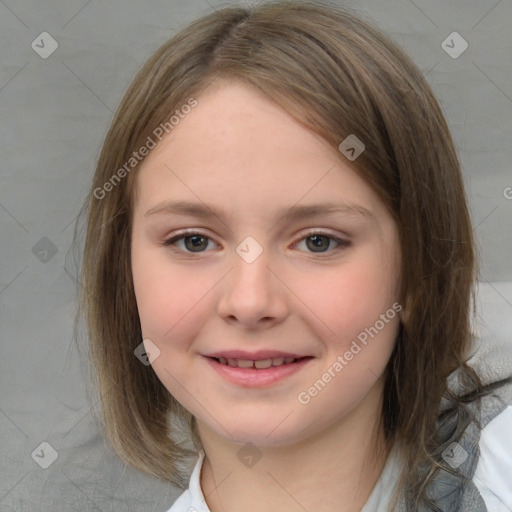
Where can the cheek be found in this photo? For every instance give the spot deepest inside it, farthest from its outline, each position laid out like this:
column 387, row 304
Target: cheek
column 356, row 304
column 350, row 298
column 169, row 299
column 171, row 304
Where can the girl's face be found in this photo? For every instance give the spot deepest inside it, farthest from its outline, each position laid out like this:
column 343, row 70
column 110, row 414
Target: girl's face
column 289, row 254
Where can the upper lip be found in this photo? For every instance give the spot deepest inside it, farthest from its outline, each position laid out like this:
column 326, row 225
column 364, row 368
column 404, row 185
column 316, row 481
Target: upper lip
column 260, row 355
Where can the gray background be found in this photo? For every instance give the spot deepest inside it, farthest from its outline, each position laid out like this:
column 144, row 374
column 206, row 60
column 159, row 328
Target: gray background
column 54, row 114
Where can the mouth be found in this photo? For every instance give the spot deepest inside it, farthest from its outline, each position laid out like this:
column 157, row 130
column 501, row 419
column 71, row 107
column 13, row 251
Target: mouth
column 259, row 364
column 256, row 373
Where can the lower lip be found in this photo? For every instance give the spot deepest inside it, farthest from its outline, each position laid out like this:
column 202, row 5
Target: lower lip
column 252, row 377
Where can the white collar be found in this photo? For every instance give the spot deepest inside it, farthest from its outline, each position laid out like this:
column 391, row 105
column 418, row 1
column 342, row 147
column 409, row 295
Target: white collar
column 198, row 501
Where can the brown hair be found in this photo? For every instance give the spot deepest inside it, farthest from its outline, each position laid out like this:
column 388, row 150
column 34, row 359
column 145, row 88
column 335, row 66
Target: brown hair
column 337, row 75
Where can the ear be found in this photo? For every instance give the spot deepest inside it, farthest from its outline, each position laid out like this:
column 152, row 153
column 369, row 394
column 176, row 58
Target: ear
column 406, row 309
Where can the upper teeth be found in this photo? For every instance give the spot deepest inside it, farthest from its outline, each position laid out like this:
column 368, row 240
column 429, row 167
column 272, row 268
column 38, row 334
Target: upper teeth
column 263, row 363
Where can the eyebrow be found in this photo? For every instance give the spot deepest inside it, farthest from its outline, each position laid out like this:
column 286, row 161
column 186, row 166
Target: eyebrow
column 295, row 212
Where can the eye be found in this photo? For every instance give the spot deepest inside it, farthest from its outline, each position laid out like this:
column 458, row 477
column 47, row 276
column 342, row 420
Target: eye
column 316, row 242
column 319, row 242
column 194, row 241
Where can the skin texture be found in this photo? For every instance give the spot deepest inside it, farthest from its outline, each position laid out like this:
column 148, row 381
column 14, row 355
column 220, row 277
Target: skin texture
column 238, row 152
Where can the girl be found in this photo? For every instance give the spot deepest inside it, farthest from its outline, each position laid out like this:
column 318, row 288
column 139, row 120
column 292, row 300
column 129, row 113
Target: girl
column 279, row 260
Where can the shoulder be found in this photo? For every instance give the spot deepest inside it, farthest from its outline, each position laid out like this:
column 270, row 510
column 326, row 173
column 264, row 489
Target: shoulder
column 493, row 473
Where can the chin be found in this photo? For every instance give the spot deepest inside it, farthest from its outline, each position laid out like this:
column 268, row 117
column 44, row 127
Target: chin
column 263, row 431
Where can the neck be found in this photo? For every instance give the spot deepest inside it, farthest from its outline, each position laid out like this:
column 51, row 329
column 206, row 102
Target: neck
column 334, row 470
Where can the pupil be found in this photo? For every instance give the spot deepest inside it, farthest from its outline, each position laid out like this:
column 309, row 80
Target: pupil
column 317, row 241
column 196, row 242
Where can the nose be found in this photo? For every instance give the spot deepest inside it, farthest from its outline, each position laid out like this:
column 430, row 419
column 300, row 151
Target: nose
column 252, row 294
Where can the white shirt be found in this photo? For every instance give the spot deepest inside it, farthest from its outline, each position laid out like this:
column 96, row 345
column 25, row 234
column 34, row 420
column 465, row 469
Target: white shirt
column 493, row 475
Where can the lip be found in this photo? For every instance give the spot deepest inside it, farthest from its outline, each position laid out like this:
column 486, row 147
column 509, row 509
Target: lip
column 260, row 355
column 252, row 377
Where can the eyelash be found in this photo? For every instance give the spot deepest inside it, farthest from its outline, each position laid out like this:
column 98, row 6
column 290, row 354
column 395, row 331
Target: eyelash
column 342, row 244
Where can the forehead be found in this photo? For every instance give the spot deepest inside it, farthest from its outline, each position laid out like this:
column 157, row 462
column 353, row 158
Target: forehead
column 233, row 119
column 237, row 141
